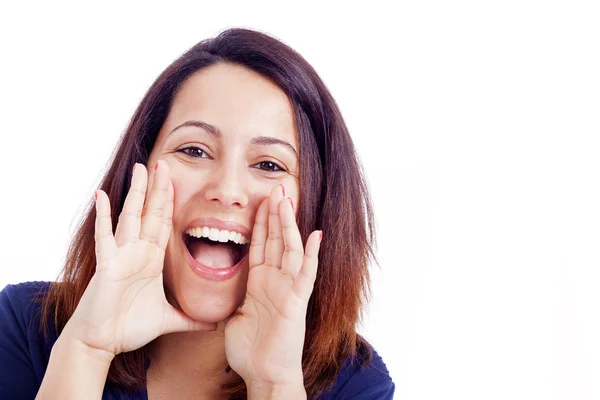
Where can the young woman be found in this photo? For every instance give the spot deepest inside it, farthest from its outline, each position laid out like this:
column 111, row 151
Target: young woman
column 225, row 256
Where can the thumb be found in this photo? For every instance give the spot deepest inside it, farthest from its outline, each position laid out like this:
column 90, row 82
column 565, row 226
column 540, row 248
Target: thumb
column 178, row 321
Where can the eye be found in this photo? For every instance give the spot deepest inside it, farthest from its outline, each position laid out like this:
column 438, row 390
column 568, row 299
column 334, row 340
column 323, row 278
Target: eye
column 194, row 152
column 269, row 166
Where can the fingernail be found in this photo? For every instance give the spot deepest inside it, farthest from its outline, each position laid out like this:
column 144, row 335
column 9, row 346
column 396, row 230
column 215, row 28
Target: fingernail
column 320, row 236
column 96, row 194
column 291, row 202
column 156, row 166
column 134, row 167
column 282, row 190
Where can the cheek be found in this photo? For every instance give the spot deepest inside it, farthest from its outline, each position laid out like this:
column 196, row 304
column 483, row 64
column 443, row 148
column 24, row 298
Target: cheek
column 182, row 195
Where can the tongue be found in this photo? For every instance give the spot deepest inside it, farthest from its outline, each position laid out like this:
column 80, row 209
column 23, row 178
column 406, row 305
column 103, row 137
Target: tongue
column 213, row 255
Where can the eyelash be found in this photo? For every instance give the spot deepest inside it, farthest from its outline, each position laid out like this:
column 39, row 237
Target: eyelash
column 274, row 167
column 277, row 167
column 193, row 148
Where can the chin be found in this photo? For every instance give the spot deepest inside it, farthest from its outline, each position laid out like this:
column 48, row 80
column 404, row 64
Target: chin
column 202, row 299
column 208, row 307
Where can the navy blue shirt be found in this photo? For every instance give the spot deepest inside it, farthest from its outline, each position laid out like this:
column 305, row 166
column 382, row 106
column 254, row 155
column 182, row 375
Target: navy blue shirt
column 24, row 355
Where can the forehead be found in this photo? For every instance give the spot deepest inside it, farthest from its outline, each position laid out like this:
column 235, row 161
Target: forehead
column 237, row 100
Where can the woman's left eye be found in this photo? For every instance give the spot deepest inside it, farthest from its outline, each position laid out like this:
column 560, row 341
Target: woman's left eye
column 192, row 151
column 269, row 166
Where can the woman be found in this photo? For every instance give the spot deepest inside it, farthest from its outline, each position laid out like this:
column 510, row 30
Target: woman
column 226, row 254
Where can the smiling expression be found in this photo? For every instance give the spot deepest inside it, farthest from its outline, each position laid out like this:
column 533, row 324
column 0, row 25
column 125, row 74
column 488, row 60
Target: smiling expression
column 229, row 139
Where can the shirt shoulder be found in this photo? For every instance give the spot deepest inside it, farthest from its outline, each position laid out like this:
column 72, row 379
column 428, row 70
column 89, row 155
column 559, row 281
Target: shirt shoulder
column 20, row 307
column 362, row 382
column 24, row 352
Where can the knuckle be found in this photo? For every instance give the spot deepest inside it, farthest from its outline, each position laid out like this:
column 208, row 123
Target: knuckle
column 155, row 211
column 309, row 277
column 149, row 239
column 129, row 213
column 158, row 212
column 273, row 236
column 103, row 217
column 101, row 236
column 102, row 257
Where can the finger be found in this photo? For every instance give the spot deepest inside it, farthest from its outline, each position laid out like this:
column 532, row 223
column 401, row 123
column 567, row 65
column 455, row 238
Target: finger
column 154, row 211
column 259, row 235
column 105, row 241
column 293, row 251
column 305, row 280
column 274, row 246
column 165, row 231
column 178, row 321
column 128, row 227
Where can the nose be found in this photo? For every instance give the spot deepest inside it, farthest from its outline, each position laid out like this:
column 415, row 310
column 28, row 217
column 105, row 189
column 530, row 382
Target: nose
column 227, row 186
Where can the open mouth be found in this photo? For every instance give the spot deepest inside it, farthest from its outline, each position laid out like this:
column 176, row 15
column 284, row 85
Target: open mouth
column 216, row 249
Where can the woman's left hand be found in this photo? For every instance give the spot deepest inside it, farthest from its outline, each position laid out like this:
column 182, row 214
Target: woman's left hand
column 264, row 339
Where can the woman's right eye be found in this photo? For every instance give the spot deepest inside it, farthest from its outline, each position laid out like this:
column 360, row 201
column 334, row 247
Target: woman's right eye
column 194, row 152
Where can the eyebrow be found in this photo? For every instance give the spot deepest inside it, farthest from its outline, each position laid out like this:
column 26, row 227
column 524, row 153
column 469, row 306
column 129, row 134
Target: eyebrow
column 258, row 140
column 213, row 130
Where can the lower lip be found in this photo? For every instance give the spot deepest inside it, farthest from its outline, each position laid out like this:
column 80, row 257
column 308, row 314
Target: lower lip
column 213, row 274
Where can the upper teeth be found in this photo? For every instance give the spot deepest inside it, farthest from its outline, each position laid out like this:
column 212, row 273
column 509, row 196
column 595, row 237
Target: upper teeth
column 217, row 235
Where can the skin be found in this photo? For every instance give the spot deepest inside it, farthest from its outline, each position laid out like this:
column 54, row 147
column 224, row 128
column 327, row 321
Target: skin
column 227, row 185
column 228, row 178
column 144, row 292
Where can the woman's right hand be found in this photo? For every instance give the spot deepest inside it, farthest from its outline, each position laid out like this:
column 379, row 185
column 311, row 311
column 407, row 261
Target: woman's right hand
column 124, row 306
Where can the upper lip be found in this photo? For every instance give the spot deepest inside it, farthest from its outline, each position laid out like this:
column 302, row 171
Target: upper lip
column 219, row 224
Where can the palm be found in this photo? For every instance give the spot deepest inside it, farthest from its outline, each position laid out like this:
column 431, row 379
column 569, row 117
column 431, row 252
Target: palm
column 142, row 306
column 145, row 317
column 124, row 305
column 264, row 339
column 271, row 311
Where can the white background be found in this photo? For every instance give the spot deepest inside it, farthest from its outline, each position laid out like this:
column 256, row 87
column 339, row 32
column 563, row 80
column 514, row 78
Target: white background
column 477, row 123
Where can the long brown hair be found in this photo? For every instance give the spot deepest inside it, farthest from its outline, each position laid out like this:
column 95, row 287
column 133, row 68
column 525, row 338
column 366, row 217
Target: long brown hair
column 333, row 198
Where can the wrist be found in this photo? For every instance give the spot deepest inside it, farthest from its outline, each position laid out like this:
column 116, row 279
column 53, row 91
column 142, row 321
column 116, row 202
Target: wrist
column 69, row 342
column 74, row 371
column 275, row 391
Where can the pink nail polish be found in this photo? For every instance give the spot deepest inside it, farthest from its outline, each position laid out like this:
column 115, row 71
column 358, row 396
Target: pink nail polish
column 282, row 190
column 156, row 166
column 134, row 167
column 320, row 236
column 291, row 202
column 96, row 194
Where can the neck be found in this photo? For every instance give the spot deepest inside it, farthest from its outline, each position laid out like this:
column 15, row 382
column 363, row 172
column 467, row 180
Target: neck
column 190, row 355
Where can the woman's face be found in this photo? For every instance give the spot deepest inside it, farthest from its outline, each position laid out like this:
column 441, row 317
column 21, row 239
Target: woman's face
column 229, row 139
